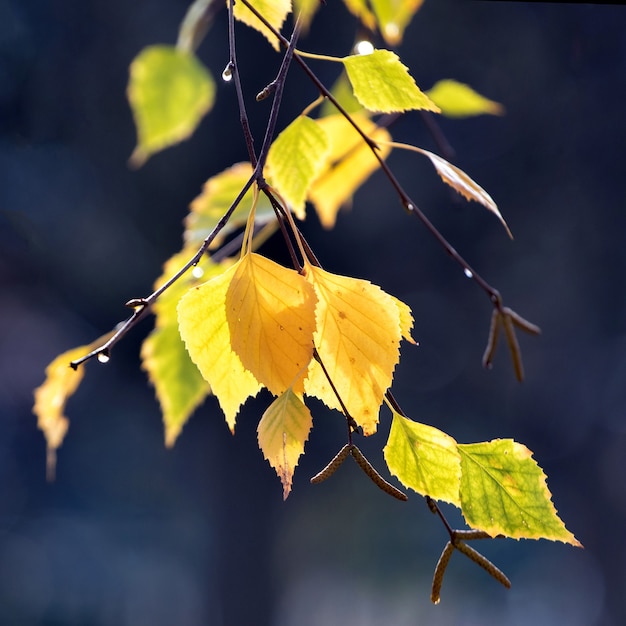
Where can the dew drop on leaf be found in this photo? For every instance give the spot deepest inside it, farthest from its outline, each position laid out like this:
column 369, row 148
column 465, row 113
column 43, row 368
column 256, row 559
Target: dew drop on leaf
column 227, row 74
column 468, row 273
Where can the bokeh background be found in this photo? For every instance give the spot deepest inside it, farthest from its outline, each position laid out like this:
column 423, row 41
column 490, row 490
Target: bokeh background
column 131, row 533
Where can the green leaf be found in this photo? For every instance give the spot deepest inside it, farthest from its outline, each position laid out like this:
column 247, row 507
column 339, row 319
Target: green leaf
column 218, row 194
column 296, row 158
column 460, row 100
column 342, row 91
column 393, row 16
column 169, row 92
column 424, row 459
column 382, row 83
column 282, row 433
column 504, row 492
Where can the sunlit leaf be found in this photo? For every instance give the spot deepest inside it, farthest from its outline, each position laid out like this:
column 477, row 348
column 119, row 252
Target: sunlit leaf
column 282, row 433
column 460, row 100
column 406, row 320
column 393, row 16
column 51, row 396
column 342, row 91
column 358, row 338
column 361, row 9
column 205, row 331
column 271, row 317
column 424, row 459
column 274, row 11
column 350, row 163
column 295, row 158
column 178, row 384
column 382, row 83
column 218, row 194
column 169, row 92
column 195, row 24
column 463, row 184
column 306, row 9
column 504, row 491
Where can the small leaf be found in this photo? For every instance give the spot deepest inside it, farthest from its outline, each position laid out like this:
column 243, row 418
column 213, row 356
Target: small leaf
column 218, row 194
column 393, row 16
column 271, row 317
column 350, row 163
column 424, row 459
column 504, row 492
column 357, row 337
column 463, row 184
column 460, row 100
column 204, row 329
column 169, row 92
column 383, row 84
column 406, row 320
column 282, row 433
column 296, row 158
column 360, row 9
column 274, row 11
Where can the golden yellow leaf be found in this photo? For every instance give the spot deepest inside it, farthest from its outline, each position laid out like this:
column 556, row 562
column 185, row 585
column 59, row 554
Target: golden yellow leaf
column 282, row 432
column 349, row 164
column 406, row 320
column 274, row 11
column 358, row 338
column 52, row 395
column 271, row 317
column 205, row 331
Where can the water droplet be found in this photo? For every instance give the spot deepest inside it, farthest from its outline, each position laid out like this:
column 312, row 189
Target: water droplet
column 103, row 357
column 197, row 272
column 227, row 74
column 410, row 207
column 468, row 273
column 363, row 47
column 392, row 31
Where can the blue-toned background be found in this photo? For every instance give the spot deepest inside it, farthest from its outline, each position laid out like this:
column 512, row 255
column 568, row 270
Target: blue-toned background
column 131, row 533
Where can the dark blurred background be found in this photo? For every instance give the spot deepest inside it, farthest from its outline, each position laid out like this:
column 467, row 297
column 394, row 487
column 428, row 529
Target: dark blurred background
column 131, row 533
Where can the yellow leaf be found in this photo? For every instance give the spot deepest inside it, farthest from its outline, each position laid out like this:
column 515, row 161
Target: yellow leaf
column 274, row 11
column 350, row 164
column 406, row 320
column 295, row 158
column 305, row 10
column 52, row 395
column 282, row 432
column 460, row 100
column 205, row 331
column 271, row 317
column 360, row 9
column 358, row 338
column 463, row 184
column 393, row 16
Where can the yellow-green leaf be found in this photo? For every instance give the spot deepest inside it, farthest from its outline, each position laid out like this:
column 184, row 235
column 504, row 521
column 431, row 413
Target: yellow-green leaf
column 274, row 11
column 463, row 184
column 349, row 164
column 358, row 338
column 296, row 158
column 383, row 84
column 504, row 491
column 360, row 9
column 282, row 433
column 169, row 92
column 218, row 194
column 460, row 100
column 205, row 331
column 306, row 10
column 424, row 459
column 393, row 16
column 271, row 317
column 342, row 91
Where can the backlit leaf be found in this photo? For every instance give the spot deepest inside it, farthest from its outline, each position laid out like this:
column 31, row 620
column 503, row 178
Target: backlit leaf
column 218, row 194
column 358, row 339
column 504, row 491
column 296, row 158
column 305, row 9
column 205, row 331
column 169, row 92
column 360, row 9
column 178, row 384
column 424, row 459
column 393, row 16
column 406, row 320
column 342, row 91
column 271, row 317
column 274, row 11
column 349, row 164
column 460, row 100
column 282, row 433
column 383, row 84
column 463, row 184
